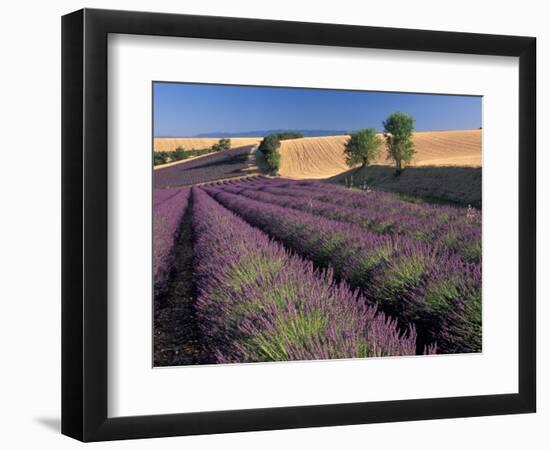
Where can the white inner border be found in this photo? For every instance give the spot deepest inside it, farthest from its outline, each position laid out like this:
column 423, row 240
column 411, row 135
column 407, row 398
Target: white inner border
column 135, row 388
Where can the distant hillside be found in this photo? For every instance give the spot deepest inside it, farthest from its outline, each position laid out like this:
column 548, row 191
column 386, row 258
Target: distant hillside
column 263, row 133
column 170, row 144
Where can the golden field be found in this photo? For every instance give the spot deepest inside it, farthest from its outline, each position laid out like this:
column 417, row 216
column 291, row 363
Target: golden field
column 323, row 157
column 170, row 144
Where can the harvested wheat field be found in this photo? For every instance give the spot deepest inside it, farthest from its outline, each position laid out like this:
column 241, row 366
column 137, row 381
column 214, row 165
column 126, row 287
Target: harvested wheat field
column 323, row 157
column 170, row 144
column 312, row 157
column 448, row 148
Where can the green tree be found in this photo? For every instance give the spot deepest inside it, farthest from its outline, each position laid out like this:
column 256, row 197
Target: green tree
column 223, row 144
column 362, row 147
column 269, row 144
column 270, row 147
column 177, row 154
column 273, row 160
column 160, row 158
column 398, row 129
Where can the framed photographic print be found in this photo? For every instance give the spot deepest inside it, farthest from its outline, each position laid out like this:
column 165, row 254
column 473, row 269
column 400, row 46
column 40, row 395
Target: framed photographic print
column 273, row 224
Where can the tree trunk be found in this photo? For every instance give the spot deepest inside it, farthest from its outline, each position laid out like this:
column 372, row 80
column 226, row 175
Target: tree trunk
column 398, row 168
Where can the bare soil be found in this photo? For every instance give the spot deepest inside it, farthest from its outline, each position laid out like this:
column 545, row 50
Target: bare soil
column 176, row 340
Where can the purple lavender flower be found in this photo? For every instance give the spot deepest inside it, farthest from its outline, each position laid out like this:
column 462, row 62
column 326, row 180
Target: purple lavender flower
column 168, row 210
column 411, row 279
column 258, row 302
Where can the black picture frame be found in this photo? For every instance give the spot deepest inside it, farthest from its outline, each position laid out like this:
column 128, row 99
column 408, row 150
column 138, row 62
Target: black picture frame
column 84, row 224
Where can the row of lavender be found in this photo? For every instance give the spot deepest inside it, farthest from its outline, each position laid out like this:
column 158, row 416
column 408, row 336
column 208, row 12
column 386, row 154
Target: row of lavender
column 411, row 279
column 447, row 229
column 169, row 206
column 225, row 164
column 162, row 195
column 258, row 302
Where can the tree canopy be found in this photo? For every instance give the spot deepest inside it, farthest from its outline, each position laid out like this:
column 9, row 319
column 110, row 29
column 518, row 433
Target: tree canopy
column 362, row 147
column 270, row 147
column 223, row 144
column 398, row 129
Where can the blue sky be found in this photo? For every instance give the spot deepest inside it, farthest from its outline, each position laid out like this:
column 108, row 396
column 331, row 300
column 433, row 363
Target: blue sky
column 182, row 109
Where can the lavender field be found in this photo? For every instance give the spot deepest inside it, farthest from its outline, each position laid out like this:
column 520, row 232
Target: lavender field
column 272, row 269
column 224, row 164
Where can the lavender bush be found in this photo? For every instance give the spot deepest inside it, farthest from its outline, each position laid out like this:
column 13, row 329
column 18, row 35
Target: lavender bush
column 258, row 302
column 448, row 229
column 409, row 278
column 168, row 210
column 162, row 195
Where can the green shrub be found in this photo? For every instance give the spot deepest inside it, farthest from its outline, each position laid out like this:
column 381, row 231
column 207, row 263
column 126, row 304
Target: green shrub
column 269, row 144
column 270, row 147
column 160, row 158
column 273, row 160
column 223, row 144
column 289, row 135
column 177, row 154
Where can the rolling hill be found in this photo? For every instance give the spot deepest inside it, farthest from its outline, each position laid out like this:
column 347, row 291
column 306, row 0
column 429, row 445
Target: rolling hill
column 323, row 157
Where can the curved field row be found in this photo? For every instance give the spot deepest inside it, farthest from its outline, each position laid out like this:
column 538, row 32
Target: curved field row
column 446, row 229
column 313, row 157
column 162, row 195
column 444, row 237
column 364, row 199
column 167, row 217
column 448, row 148
column 170, row 144
column 257, row 302
column 441, row 295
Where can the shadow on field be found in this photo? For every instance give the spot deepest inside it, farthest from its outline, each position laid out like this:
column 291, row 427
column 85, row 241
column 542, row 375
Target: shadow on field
column 239, row 159
column 260, row 161
column 458, row 185
column 218, row 166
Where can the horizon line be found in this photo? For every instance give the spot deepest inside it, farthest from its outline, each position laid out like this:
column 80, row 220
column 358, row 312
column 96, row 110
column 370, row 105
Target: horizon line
column 292, row 129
